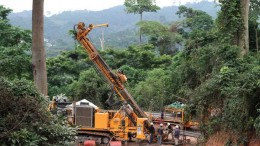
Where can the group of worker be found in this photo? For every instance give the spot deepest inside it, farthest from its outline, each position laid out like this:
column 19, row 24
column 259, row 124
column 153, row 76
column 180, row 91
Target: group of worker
column 175, row 133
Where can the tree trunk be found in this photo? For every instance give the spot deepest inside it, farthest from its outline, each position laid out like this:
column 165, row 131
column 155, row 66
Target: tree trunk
column 140, row 35
column 38, row 51
column 256, row 39
column 244, row 37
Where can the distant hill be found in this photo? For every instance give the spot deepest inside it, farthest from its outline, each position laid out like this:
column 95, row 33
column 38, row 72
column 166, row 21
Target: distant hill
column 121, row 32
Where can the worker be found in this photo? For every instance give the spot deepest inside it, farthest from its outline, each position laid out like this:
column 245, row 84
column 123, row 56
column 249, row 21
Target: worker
column 176, row 135
column 53, row 105
column 169, row 131
column 162, row 115
column 152, row 132
column 160, row 134
column 121, row 75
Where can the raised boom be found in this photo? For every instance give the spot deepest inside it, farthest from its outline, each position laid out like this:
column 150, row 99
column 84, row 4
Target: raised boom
column 113, row 79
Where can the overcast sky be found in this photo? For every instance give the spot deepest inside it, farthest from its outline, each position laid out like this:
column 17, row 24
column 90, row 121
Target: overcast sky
column 57, row 6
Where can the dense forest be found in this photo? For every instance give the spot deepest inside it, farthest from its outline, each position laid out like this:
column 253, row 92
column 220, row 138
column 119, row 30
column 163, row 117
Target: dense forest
column 198, row 60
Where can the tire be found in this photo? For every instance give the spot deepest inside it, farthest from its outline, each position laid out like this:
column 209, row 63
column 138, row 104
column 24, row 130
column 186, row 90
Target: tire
column 105, row 140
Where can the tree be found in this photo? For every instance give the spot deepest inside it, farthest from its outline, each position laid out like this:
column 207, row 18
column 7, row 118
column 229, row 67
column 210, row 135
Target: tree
column 140, row 6
column 4, row 12
column 91, row 86
column 15, row 45
column 150, row 92
column 254, row 13
column 213, row 77
column 195, row 19
column 64, row 69
column 160, row 36
column 244, row 38
column 140, row 56
column 233, row 23
column 196, row 27
column 38, row 51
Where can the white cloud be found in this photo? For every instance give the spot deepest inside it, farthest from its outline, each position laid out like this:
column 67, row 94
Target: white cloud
column 57, row 6
column 17, row 5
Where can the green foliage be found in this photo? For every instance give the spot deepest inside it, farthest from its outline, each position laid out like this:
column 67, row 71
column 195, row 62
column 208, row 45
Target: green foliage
column 92, row 86
column 257, row 124
column 15, row 62
column 160, row 36
column 254, row 15
column 221, row 87
column 10, row 35
column 24, row 118
column 197, row 27
column 150, row 94
column 229, row 21
column 15, row 45
column 64, row 69
column 140, row 6
column 224, row 91
column 238, row 121
column 4, row 12
column 57, row 132
column 195, row 19
column 133, row 75
column 139, row 57
column 70, row 72
column 25, row 137
column 211, row 127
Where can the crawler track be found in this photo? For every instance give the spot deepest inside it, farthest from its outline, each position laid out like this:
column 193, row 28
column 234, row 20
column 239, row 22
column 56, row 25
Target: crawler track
column 100, row 137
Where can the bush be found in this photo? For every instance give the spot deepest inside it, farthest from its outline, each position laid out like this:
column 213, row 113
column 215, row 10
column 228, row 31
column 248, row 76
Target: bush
column 24, row 117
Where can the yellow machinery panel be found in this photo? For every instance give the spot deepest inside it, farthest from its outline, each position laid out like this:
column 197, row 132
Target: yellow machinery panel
column 101, row 120
column 140, row 128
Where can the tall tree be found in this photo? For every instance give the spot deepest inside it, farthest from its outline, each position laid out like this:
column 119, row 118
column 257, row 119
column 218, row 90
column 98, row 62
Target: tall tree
column 140, row 6
column 161, row 36
column 38, row 51
column 195, row 27
column 254, row 15
column 244, row 38
column 233, row 22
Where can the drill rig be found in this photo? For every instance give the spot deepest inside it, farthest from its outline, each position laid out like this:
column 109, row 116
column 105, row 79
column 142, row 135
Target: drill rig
column 127, row 122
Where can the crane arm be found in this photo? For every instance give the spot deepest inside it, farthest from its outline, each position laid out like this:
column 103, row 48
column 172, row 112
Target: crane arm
column 113, row 79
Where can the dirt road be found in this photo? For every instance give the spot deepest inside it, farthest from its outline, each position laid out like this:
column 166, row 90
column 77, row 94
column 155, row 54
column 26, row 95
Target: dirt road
column 190, row 141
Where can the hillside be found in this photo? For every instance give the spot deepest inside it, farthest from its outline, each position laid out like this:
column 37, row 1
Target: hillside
column 121, row 32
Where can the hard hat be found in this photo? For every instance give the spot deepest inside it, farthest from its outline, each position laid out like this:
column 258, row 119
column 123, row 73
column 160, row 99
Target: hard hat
column 161, row 124
column 151, row 123
column 177, row 126
column 168, row 123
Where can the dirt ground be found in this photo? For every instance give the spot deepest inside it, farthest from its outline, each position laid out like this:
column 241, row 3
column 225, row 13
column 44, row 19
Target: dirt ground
column 220, row 138
column 190, row 141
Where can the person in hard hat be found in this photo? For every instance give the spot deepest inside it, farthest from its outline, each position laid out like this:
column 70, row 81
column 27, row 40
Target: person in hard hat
column 169, row 131
column 176, row 135
column 121, row 75
column 160, row 134
column 53, row 106
column 152, row 132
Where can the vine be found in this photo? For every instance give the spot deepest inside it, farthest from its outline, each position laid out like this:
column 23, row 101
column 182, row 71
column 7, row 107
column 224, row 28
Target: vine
column 230, row 21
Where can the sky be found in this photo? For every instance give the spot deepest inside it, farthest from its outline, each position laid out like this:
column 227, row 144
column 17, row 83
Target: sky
column 58, row 6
